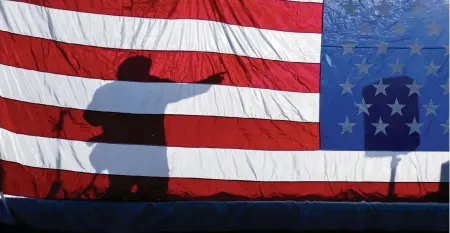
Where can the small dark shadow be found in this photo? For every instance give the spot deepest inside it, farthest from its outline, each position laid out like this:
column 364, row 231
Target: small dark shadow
column 392, row 104
column 58, row 185
column 443, row 192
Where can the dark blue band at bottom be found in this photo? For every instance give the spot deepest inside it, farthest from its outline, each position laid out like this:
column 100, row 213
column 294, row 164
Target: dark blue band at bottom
column 88, row 216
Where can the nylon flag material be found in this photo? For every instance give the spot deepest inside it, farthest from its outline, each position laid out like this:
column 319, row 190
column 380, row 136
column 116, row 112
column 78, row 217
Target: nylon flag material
column 213, row 100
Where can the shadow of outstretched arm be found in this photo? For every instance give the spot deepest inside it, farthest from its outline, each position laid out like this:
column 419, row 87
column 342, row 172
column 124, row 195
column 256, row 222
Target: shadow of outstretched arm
column 200, row 89
column 213, row 79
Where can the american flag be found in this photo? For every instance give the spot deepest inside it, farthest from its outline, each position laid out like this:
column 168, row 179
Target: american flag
column 224, row 100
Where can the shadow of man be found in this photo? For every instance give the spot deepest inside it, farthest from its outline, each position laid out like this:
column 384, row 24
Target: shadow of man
column 387, row 121
column 144, row 134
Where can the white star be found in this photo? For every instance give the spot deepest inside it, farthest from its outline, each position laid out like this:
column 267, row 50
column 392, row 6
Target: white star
column 363, row 67
column 396, row 107
column 382, row 48
column 445, row 87
column 348, row 48
column 383, row 8
column 380, row 127
column 446, row 50
column 415, row 48
column 414, row 126
column 347, row 87
column 399, row 29
column 432, row 68
column 433, row 29
column 363, row 107
column 397, row 67
column 381, row 88
column 414, row 88
column 347, row 126
column 445, row 128
column 417, row 8
column 349, row 7
column 431, row 108
column 364, row 29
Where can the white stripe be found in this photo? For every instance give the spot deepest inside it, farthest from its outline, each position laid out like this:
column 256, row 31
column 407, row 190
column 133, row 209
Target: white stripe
column 157, row 34
column 226, row 164
column 156, row 98
column 4, row 196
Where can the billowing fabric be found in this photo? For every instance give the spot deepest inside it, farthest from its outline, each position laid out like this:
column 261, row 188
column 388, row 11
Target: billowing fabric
column 111, row 102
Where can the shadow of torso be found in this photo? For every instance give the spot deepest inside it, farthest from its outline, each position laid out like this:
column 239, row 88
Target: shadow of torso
column 134, row 131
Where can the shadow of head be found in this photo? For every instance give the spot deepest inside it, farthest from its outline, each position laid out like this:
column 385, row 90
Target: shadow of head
column 134, row 69
column 393, row 108
column 137, row 69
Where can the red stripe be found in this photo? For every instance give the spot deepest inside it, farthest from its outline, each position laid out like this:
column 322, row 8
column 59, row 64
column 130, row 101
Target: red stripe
column 170, row 130
column 267, row 14
column 37, row 182
column 102, row 63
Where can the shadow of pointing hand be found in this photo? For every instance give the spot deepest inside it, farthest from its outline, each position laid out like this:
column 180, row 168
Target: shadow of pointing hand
column 213, row 79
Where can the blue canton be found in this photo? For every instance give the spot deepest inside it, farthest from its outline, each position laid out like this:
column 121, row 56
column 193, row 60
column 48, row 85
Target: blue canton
column 385, row 75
